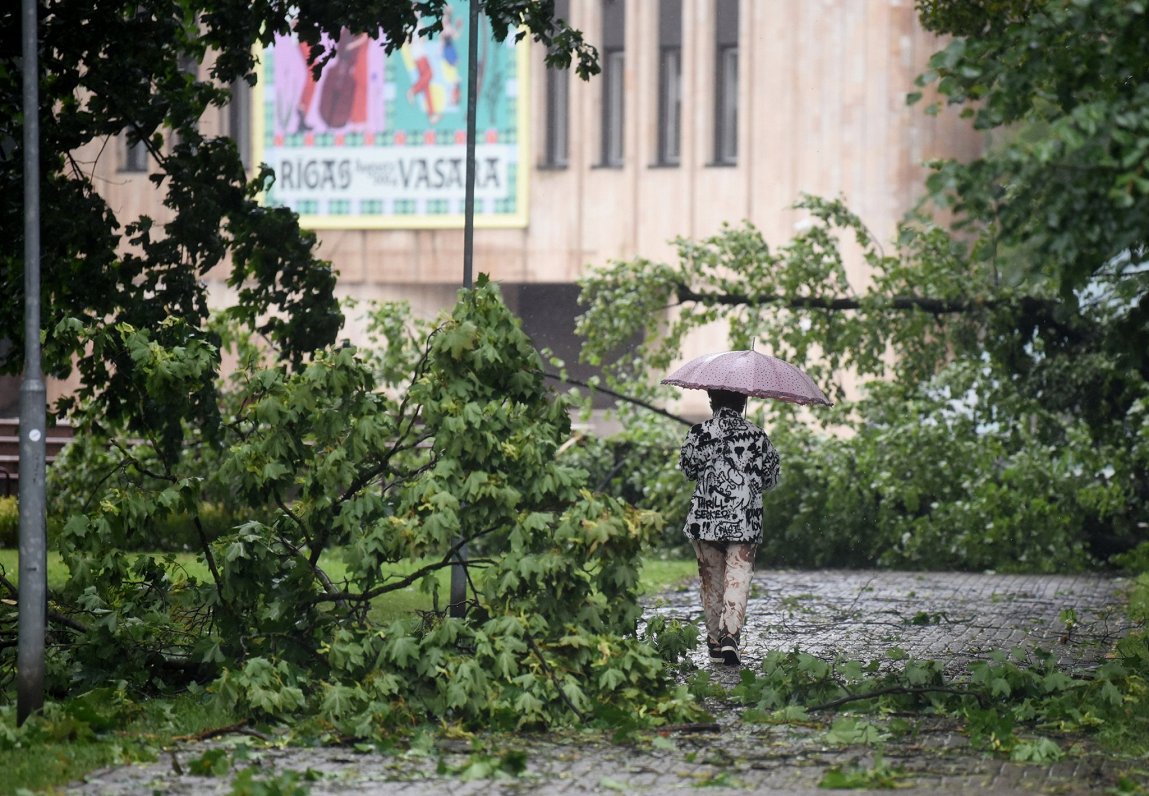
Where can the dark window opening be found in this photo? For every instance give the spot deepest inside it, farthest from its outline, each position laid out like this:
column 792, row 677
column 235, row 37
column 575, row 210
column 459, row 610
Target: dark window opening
column 613, row 80
column 557, row 150
column 726, row 82
column 669, row 82
column 133, row 155
column 239, row 120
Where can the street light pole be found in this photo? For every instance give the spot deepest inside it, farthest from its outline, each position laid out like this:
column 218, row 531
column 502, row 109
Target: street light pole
column 33, row 568
column 472, row 113
column 459, row 568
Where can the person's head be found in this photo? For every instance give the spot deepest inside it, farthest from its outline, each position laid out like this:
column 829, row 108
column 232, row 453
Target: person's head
column 725, row 399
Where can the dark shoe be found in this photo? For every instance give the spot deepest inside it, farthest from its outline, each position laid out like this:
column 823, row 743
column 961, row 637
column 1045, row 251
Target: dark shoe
column 728, row 649
column 714, row 649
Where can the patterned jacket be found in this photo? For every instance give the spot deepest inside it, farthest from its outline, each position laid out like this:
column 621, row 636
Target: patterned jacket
column 734, row 464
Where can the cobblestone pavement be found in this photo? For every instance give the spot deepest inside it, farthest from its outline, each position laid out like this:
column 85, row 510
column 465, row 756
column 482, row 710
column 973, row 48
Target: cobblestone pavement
column 952, row 618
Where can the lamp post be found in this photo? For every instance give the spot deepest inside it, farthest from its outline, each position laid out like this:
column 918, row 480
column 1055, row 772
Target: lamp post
column 33, row 593
column 459, row 568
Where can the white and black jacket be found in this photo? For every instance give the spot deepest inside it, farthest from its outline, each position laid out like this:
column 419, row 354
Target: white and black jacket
column 734, row 464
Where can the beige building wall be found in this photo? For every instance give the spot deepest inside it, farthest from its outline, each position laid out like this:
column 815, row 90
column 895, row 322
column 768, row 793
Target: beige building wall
column 821, row 110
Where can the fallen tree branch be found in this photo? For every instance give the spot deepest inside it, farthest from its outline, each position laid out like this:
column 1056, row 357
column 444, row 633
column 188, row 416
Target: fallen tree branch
column 239, row 728
column 53, row 616
column 553, row 677
column 899, row 689
column 66, row 621
column 445, row 561
column 698, row 726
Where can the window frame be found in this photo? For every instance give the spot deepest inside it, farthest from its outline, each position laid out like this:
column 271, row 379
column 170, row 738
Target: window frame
column 556, row 133
column 669, row 144
column 613, row 59
column 726, row 83
column 238, row 119
column 134, row 156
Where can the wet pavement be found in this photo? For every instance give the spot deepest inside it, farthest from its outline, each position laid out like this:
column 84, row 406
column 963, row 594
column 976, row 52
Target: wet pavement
column 953, row 618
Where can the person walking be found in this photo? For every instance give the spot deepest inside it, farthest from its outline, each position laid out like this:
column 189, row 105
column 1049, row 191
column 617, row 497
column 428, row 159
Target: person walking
column 734, row 464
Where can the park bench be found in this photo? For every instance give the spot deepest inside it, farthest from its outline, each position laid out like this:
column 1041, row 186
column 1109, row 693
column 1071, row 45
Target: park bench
column 56, row 438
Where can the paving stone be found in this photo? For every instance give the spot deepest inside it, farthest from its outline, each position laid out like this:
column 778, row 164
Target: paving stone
column 954, row 618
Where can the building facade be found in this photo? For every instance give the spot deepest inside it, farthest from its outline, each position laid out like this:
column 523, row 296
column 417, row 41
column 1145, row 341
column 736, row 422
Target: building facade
column 706, row 112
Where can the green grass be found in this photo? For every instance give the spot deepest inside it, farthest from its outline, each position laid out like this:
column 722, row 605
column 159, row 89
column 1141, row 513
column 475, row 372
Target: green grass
column 663, row 574
column 9, row 567
column 392, row 604
column 657, row 575
column 62, row 751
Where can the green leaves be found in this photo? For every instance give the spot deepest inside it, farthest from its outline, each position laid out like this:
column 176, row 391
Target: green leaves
column 401, row 650
column 880, row 775
column 320, row 467
column 1064, row 191
column 263, row 686
column 1007, row 706
column 1038, row 750
column 460, row 339
column 110, row 266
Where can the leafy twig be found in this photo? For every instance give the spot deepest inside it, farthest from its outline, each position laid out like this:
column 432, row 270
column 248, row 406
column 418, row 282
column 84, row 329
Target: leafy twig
column 620, row 396
column 239, row 728
column 899, row 689
column 551, row 674
column 53, row 616
column 402, row 583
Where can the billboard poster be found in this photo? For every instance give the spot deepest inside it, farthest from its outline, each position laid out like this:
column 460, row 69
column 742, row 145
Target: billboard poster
column 379, row 141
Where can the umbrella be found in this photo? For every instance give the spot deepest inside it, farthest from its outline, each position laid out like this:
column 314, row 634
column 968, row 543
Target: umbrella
column 750, row 373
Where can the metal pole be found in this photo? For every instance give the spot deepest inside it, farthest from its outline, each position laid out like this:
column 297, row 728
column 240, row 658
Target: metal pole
column 33, row 594
column 472, row 113
column 459, row 568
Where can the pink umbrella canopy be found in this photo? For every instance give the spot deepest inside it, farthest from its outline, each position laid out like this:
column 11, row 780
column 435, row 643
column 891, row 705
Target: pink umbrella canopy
column 750, row 373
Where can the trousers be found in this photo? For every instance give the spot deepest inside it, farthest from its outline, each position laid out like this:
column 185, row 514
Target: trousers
column 724, row 570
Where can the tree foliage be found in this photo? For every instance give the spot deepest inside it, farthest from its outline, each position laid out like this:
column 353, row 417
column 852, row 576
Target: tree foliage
column 1001, row 419
column 354, row 474
column 955, row 455
column 356, row 486
column 1063, row 196
column 114, row 69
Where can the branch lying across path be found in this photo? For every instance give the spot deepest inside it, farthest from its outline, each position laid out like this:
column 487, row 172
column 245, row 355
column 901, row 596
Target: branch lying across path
column 239, row 728
column 899, row 689
column 702, row 726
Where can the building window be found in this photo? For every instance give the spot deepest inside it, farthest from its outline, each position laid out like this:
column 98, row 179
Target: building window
column 189, row 67
column 558, row 106
column 613, row 80
column 133, row 155
column 669, row 82
column 238, row 120
column 726, row 82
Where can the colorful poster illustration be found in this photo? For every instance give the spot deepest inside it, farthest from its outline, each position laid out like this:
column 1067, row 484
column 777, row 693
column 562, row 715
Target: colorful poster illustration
column 379, row 141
